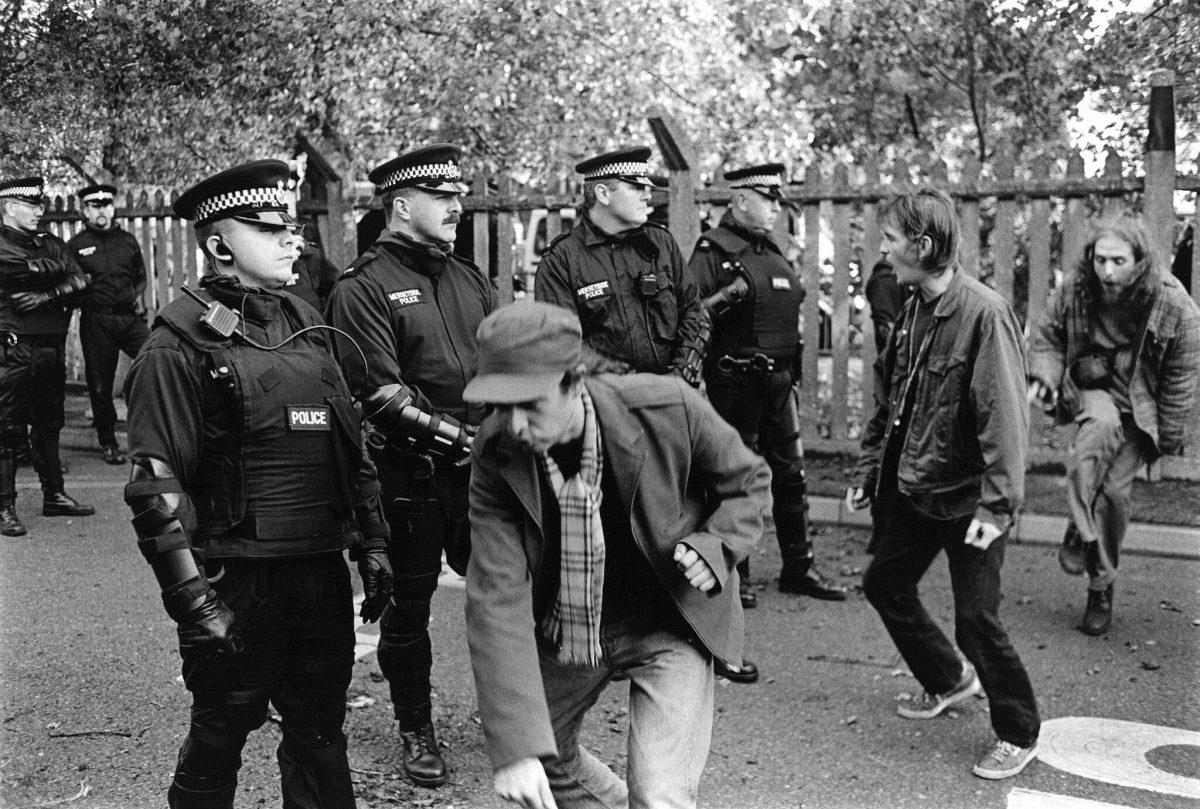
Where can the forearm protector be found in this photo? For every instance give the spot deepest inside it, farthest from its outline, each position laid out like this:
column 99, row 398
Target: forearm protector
column 730, row 295
column 161, row 519
column 368, row 512
column 391, row 409
column 714, row 306
column 70, row 288
column 692, row 367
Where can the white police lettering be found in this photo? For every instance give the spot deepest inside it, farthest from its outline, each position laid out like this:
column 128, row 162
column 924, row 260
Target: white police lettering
column 87, row 251
column 592, row 290
column 405, row 297
column 310, row 417
column 780, row 283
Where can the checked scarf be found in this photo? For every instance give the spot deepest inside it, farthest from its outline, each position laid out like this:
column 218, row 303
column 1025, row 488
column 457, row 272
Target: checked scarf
column 573, row 622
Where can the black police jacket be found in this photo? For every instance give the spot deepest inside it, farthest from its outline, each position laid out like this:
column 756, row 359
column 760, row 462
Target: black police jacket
column 413, row 309
column 768, row 321
column 16, row 249
column 113, row 261
column 266, row 444
column 635, row 297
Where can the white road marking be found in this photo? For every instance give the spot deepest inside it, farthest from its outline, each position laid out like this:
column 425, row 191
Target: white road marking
column 1031, row 799
column 1114, row 751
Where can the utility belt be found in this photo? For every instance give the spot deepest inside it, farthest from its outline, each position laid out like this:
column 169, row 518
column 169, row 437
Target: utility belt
column 100, row 309
column 758, row 364
column 11, row 338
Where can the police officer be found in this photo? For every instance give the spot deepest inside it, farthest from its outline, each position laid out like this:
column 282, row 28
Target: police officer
column 39, row 283
column 413, row 306
column 249, row 480
column 752, row 363
column 625, row 277
column 113, row 317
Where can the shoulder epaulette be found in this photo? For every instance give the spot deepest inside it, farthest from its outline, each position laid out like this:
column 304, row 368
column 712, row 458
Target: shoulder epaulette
column 182, row 316
column 366, row 258
column 725, row 241
column 557, row 239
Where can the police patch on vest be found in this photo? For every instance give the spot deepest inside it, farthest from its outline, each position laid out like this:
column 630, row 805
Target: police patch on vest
column 87, row 251
column 596, row 290
column 302, row 417
column 780, row 283
column 404, row 297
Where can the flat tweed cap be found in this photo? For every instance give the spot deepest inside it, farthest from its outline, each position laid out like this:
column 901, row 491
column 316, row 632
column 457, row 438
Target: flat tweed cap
column 252, row 192
column 524, row 350
column 630, row 165
column 430, row 168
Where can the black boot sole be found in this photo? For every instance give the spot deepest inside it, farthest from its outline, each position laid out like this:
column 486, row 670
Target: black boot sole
column 68, row 512
column 428, row 783
column 13, row 532
column 820, row 594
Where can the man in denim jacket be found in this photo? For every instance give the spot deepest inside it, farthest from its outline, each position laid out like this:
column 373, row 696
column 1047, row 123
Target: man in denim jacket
column 943, row 458
column 1117, row 353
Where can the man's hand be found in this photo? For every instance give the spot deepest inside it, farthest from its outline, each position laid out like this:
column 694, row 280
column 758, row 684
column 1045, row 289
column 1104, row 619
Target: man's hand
column 209, row 630
column 524, row 783
column 857, row 499
column 28, row 301
column 376, row 573
column 694, row 568
column 1040, row 392
column 980, row 534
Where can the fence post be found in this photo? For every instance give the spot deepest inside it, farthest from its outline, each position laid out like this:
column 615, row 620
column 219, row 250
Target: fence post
column 1004, row 244
column 811, row 274
column 679, row 155
column 968, row 254
column 1074, row 223
column 1159, row 201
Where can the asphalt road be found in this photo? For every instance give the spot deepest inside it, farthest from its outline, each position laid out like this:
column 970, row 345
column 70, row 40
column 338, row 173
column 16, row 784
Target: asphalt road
column 90, row 701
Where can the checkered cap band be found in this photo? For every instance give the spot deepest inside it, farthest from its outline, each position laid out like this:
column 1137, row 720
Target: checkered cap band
column 432, row 171
column 97, row 196
column 618, row 170
column 21, row 191
column 246, row 198
column 757, row 179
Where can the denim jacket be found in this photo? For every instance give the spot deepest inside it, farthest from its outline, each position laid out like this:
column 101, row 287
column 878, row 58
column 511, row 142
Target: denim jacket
column 968, row 432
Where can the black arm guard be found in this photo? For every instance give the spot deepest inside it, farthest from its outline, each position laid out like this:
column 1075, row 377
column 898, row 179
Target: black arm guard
column 160, row 511
column 70, row 289
column 714, row 306
column 391, row 409
column 692, row 368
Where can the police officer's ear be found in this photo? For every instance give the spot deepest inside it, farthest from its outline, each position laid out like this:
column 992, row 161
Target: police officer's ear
column 400, row 208
column 218, row 248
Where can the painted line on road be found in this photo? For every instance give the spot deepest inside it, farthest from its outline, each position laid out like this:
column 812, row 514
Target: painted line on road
column 1114, row 751
column 1032, row 799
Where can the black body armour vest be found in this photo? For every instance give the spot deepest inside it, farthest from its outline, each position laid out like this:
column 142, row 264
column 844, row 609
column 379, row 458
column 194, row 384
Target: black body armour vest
column 768, row 321
column 282, row 445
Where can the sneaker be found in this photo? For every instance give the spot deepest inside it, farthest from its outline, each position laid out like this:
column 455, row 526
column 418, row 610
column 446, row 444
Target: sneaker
column 927, row 706
column 1004, row 761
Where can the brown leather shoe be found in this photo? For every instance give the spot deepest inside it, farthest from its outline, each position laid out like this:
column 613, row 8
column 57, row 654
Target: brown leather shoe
column 1097, row 616
column 1072, row 554
column 423, row 763
column 746, row 673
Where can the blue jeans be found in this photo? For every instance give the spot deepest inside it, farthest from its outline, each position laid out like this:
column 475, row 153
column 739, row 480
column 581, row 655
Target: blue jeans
column 670, row 721
column 908, row 545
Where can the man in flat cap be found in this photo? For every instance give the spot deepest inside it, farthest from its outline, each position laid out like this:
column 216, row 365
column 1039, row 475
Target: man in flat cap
column 624, row 277
column 249, row 480
column 413, row 306
column 752, row 365
column 610, row 510
column 39, row 284
column 113, row 317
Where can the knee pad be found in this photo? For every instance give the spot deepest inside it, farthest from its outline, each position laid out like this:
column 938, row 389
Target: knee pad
column 204, row 766
column 405, row 621
column 13, row 437
column 225, row 727
column 315, row 732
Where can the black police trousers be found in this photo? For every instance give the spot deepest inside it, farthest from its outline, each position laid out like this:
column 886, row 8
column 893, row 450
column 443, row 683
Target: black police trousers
column 426, row 509
column 33, row 375
column 296, row 616
column 103, row 336
column 762, row 408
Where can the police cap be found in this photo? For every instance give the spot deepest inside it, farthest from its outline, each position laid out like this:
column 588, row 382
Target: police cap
column 629, row 165
column 28, row 189
column 430, row 168
column 766, row 179
column 99, row 194
column 252, row 192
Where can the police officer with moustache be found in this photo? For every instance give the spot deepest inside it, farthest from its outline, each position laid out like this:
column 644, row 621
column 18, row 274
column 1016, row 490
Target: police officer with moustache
column 413, row 306
column 113, row 317
column 623, row 276
column 249, row 480
column 752, row 364
column 39, row 284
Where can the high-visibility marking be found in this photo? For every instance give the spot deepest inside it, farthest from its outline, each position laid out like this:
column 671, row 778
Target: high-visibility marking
column 1115, row 752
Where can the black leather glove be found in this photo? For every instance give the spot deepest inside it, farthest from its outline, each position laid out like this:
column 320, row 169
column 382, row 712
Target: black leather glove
column 47, row 269
column 209, row 630
column 28, row 301
column 375, row 570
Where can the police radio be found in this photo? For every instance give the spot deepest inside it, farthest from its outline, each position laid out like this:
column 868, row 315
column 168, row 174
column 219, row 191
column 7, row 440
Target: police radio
column 647, row 284
column 217, row 318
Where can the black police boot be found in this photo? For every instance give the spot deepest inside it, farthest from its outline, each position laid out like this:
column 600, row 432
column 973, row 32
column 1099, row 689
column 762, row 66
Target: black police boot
column 10, row 523
column 745, row 594
column 1097, row 616
column 423, row 762
column 799, row 574
column 810, row 583
column 61, row 504
column 113, row 456
column 746, row 673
